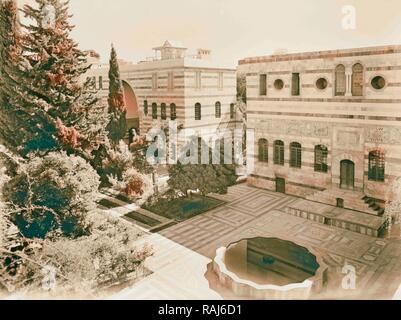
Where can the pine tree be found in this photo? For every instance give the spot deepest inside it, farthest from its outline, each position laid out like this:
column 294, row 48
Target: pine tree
column 12, row 122
column 56, row 107
column 117, row 126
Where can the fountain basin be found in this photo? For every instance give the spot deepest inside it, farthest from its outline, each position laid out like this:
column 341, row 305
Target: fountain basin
column 269, row 268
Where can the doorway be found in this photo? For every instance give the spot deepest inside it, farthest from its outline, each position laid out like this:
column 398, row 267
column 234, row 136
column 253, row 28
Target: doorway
column 280, row 185
column 347, row 175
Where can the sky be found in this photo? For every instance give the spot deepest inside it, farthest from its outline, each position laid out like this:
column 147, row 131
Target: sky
column 232, row 29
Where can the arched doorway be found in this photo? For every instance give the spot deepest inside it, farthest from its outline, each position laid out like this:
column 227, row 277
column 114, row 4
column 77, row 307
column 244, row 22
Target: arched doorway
column 132, row 107
column 347, row 175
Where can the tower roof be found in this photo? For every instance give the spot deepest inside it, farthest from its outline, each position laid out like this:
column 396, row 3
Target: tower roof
column 171, row 44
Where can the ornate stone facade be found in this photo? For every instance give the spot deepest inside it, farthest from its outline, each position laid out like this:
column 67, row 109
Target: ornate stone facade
column 347, row 102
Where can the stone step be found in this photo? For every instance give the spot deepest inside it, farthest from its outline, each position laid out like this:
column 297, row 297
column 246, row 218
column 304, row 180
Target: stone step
column 353, row 200
column 351, row 220
column 354, row 205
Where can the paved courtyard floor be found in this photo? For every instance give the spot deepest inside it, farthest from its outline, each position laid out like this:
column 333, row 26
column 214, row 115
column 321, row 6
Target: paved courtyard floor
column 182, row 252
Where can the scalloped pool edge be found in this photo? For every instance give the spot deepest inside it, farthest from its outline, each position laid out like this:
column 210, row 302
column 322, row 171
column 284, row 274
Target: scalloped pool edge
column 249, row 289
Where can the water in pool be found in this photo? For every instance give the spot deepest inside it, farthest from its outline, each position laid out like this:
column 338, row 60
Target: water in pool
column 270, row 261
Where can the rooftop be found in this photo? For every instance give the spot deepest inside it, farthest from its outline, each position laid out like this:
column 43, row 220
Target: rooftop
column 329, row 54
column 171, row 44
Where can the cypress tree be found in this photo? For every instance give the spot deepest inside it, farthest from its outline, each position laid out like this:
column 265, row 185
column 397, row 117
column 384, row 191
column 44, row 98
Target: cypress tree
column 117, row 126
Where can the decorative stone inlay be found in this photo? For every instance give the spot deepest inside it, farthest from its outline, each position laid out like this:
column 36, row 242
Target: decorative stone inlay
column 371, row 134
column 368, row 257
column 388, row 135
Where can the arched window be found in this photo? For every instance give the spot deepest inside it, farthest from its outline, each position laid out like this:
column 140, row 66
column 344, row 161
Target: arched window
column 376, row 166
column 321, row 154
column 295, row 155
column 218, row 110
column 279, row 152
column 145, row 107
column 340, row 81
column 198, row 111
column 154, row 110
column 164, row 111
column 263, row 150
column 357, row 80
column 173, row 111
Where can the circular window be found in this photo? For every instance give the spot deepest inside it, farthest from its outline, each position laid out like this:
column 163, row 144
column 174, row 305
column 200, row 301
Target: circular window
column 279, row 84
column 321, row 83
column 378, row 82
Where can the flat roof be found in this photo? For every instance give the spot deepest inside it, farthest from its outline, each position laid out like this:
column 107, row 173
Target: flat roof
column 329, row 54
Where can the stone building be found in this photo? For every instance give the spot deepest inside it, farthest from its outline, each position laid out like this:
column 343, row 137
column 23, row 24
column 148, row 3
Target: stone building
column 327, row 124
column 173, row 85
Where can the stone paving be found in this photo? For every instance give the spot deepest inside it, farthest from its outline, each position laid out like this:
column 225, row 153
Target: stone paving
column 252, row 212
column 178, row 274
column 182, row 252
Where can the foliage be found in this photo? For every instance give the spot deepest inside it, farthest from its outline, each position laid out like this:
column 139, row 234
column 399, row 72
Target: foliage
column 207, row 178
column 81, row 266
column 124, row 177
column 42, row 86
column 11, row 66
column 138, row 149
column 53, row 124
column 52, row 193
column 117, row 126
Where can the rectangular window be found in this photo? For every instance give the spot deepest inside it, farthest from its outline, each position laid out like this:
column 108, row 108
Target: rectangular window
column 295, row 89
column 376, row 166
column 218, row 110
column 154, row 111
column 164, row 111
column 263, row 85
column 279, row 153
column 145, row 107
column 321, row 154
column 198, row 112
column 173, row 111
column 296, row 156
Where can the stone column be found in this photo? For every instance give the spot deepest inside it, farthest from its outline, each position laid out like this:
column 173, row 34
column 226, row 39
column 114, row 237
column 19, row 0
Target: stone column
column 348, row 81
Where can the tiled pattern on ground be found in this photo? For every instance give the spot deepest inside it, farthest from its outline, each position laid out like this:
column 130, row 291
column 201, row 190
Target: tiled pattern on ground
column 178, row 274
column 252, row 212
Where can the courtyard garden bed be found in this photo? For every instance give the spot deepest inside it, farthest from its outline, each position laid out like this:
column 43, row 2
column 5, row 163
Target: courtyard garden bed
column 182, row 209
column 136, row 216
column 108, row 204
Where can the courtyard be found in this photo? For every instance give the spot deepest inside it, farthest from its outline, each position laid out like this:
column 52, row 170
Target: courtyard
column 183, row 251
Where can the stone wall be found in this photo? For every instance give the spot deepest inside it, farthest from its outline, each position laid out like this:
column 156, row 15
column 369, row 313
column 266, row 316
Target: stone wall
column 349, row 126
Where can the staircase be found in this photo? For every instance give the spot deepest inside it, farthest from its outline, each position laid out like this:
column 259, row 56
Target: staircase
column 352, row 200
